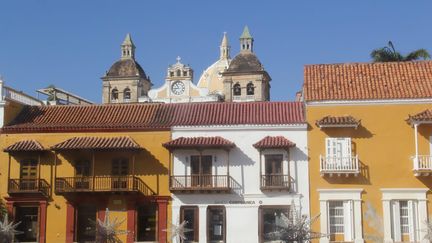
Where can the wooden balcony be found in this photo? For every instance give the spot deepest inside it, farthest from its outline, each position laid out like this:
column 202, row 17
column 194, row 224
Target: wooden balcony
column 108, row 184
column 201, row 184
column 29, row 187
column 422, row 165
column 331, row 165
column 275, row 182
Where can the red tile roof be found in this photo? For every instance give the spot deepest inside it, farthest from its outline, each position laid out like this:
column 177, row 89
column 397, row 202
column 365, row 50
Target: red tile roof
column 274, row 142
column 103, row 143
column 199, row 142
column 338, row 121
column 364, row 81
column 25, row 145
column 147, row 116
column 424, row 116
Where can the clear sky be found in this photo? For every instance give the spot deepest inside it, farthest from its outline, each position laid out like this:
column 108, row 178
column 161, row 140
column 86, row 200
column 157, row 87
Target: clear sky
column 72, row 43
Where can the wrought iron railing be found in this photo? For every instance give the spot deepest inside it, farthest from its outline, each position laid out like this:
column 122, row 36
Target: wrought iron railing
column 102, row 184
column 275, row 181
column 339, row 164
column 201, row 182
column 29, row 186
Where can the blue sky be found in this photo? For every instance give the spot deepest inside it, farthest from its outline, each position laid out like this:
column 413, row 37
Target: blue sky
column 72, row 43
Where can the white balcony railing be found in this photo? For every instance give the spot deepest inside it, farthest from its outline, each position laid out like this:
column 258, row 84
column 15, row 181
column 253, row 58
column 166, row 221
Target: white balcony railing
column 422, row 163
column 339, row 165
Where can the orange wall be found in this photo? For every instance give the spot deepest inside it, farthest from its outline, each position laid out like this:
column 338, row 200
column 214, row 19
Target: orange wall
column 151, row 166
column 384, row 143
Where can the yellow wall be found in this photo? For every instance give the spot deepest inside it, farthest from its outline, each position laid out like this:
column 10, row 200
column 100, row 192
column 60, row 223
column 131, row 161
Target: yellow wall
column 151, row 166
column 12, row 109
column 384, row 143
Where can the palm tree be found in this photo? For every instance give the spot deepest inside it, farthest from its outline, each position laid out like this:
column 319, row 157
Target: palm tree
column 389, row 54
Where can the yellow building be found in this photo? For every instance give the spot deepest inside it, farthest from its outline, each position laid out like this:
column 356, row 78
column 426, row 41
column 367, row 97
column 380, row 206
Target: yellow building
column 64, row 165
column 369, row 144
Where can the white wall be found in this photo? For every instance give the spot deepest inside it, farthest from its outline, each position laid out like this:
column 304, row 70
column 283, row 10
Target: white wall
column 242, row 218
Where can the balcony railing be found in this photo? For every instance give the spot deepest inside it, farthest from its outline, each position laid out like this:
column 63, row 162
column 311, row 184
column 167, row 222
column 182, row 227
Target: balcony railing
column 422, row 164
column 339, row 165
column 204, row 183
column 275, row 182
column 102, row 184
column 29, row 186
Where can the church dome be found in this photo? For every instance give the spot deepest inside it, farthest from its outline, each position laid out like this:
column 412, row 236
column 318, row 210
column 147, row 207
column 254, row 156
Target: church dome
column 245, row 62
column 126, row 68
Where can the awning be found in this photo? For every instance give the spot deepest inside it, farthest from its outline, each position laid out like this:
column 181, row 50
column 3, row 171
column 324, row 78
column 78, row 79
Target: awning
column 422, row 117
column 25, row 146
column 199, row 143
column 97, row 143
column 274, row 142
column 338, row 121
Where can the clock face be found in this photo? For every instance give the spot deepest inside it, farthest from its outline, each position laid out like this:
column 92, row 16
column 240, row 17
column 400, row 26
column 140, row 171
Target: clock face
column 178, row 87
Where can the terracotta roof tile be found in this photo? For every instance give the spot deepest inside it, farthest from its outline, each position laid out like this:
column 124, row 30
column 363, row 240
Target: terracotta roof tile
column 274, row 142
column 103, row 143
column 199, row 142
column 147, row 116
column 25, row 145
column 364, row 81
column 337, row 121
column 424, row 116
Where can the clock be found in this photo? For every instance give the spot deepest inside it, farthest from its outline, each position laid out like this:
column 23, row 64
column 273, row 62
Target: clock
column 178, row 87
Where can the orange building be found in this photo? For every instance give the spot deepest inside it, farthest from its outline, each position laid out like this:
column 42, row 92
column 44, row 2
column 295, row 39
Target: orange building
column 370, row 154
column 64, row 165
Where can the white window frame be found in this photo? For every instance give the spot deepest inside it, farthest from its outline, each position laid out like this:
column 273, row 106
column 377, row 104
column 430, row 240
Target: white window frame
column 352, row 212
column 417, row 201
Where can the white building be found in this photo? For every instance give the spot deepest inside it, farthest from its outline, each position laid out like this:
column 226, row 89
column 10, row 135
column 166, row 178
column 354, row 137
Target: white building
column 234, row 177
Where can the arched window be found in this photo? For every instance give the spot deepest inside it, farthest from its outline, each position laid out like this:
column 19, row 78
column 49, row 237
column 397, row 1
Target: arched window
column 114, row 94
column 178, row 73
column 126, row 94
column 237, row 89
column 250, row 89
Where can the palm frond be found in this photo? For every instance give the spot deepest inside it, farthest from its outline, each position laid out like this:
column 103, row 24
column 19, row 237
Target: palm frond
column 417, row 54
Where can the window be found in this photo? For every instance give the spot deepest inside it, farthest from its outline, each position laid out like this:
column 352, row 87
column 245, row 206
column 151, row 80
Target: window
column 336, row 217
column 338, row 147
column 82, row 173
column 216, row 224
column 271, row 219
column 340, row 219
column 201, row 170
column 237, row 89
column 114, row 94
column 28, row 174
column 404, row 220
column 274, row 176
column 178, row 73
column 190, row 214
column 171, row 74
column 250, row 89
column 126, row 94
column 184, row 73
column 147, row 222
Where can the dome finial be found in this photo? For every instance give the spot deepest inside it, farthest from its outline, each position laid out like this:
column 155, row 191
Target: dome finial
column 224, row 47
column 178, row 59
column 128, row 48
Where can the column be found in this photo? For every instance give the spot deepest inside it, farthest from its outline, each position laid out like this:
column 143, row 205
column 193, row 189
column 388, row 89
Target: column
column 202, row 224
column 358, row 233
column 422, row 218
column 70, row 216
column 42, row 221
column 162, row 219
column 131, row 220
column 323, row 221
column 387, row 221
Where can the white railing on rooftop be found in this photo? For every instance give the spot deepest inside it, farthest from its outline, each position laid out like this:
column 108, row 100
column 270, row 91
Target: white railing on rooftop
column 339, row 165
column 20, row 97
column 422, row 162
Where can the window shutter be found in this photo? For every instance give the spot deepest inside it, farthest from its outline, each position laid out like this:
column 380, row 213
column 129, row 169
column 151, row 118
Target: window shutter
column 412, row 219
column 396, row 221
column 330, row 147
column 348, row 221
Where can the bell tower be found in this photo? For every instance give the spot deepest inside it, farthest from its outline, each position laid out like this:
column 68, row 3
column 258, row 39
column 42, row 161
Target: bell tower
column 128, row 48
column 246, row 41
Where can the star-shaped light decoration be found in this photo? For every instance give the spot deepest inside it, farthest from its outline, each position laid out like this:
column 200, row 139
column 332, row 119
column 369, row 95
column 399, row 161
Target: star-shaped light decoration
column 294, row 228
column 178, row 231
column 107, row 231
column 8, row 230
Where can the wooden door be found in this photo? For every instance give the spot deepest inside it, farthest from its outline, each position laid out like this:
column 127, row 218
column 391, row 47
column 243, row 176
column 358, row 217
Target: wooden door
column 82, row 174
column 28, row 174
column 120, row 170
column 201, row 170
